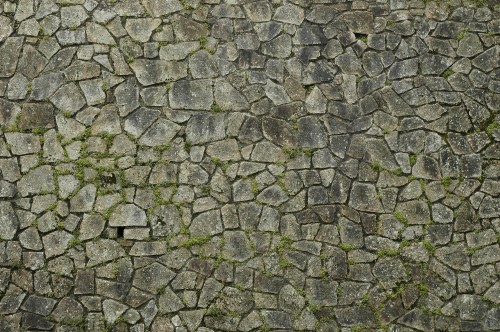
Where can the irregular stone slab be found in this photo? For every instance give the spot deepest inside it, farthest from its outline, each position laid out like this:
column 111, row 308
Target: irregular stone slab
column 279, row 132
column 153, row 278
column 359, row 22
column 68, row 310
column 91, row 227
column 140, row 29
column 180, row 51
column 45, row 85
column 364, row 198
column 107, row 122
column 455, row 256
column 12, row 299
column 236, row 246
column 150, row 72
column 56, row 243
column 71, row 37
column 83, row 201
column 227, row 97
column 469, row 46
column 273, row 196
column 206, row 223
column 418, row 320
column 39, row 305
column 158, row 8
column 311, row 133
column 9, row 53
column 8, row 221
column 259, row 11
column 290, row 14
column 160, row 133
column 32, row 62
column 416, row 212
column 487, row 60
column 137, row 122
column 5, row 28
column 112, row 310
column 490, row 207
column 276, row 93
column 204, row 128
column 127, row 215
column 486, row 255
column 203, row 65
column 426, row 168
column 22, row 144
column 127, row 96
column 8, row 113
column 92, row 90
column 169, row 302
column 186, row 29
column 103, row 250
column 194, row 95
column 37, row 180
column 68, row 98
column 73, row 16
column 279, row 47
column 98, row 34
column 224, row 150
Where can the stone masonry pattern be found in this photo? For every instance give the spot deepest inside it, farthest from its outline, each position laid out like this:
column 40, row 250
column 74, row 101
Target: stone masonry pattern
column 242, row 165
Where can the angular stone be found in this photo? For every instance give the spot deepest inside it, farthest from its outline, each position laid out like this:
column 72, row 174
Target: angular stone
column 68, row 311
column 92, row 90
column 56, row 243
column 273, row 196
column 401, row 69
column 98, row 34
column 107, row 122
column 160, row 133
column 91, row 227
column 194, row 95
column 321, row 292
column 359, row 22
column 22, row 144
column 169, row 302
column 276, row 93
column 224, row 150
column 426, row 168
column 416, row 212
column 259, row 11
column 103, row 250
column 73, row 16
column 203, row 65
column 68, row 98
column 186, row 29
column 45, row 85
column 364, row 198
column 158, row 8
column 279, row 132
column 279, row 47
column 153, row 278
column 37, row 180
column 5, row 28
column 469, row 46
column 127, row 96
column 490, row 207
column 150, row 72
column 8, row 221
column 236, row 246
column 289, row 14
column 112, row 310
column 454, row 256
column 39, row 305
column 206, row 223
column 9, row 53
column 127, row 215
column 204, row 128
column 140, row 29
column 83, row 201
column 311, row 133
column 227, row 97
column 11, row 300
column 31, row 63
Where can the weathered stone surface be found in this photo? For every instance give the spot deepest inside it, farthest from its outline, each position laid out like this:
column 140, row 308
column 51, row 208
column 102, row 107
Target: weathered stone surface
column 194, row 95
column 150, row 72
column 127, row 215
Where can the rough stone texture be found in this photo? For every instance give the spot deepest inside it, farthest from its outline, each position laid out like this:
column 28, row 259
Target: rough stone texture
column 250, row 165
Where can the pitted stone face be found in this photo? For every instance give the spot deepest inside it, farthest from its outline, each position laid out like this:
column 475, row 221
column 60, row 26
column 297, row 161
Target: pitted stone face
column 257, row 165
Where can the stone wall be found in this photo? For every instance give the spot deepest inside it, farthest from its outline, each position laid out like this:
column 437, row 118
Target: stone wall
column 240, row 165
